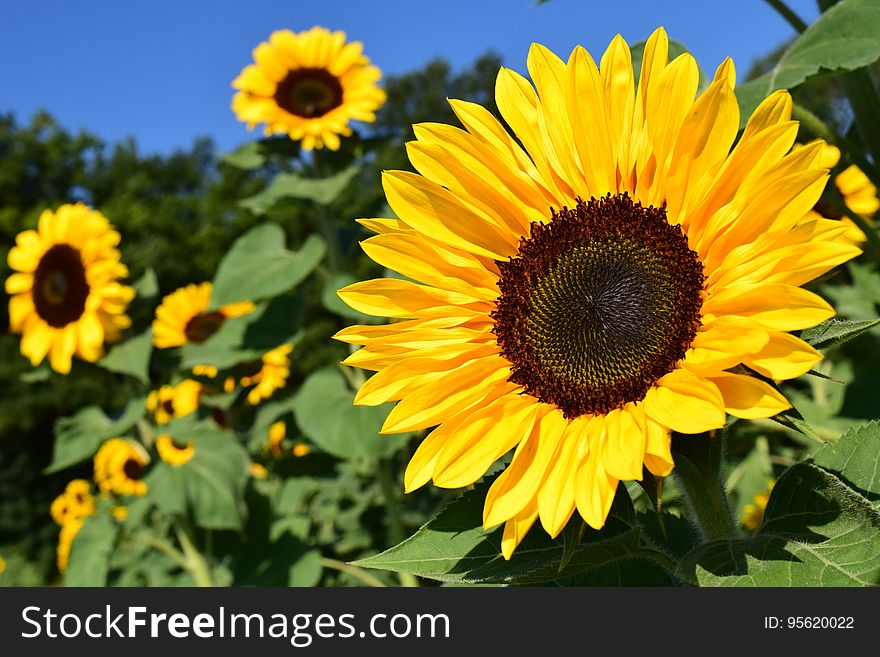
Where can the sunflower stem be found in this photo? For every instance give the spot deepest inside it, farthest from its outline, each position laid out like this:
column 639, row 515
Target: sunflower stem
column 326, row 219
column 396, row 531
column 698, row 471
column 788, row 14
column 196, row 564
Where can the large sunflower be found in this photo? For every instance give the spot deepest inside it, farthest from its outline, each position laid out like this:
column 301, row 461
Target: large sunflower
column 181, row 317
column 608, row 274
column 66, row 298
column 309, row 85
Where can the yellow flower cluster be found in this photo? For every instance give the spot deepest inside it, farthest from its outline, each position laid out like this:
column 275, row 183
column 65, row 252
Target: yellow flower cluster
column 119, row 466
column 272, row 375
column 69, row 510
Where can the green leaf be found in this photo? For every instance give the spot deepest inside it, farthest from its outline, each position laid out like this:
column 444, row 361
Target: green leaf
column 78, row 437
column 210, row 486
column 37, row 375
column 246, row 156
column 835, row 332
column 258, row 266
column 843, row 38
column 855, row 458
column 147, row 286
column 325, row 411
column 90, row 552
column 131, row 357
column 453, row 548
column 246, row 338
column 289, row 185
column 816, row 532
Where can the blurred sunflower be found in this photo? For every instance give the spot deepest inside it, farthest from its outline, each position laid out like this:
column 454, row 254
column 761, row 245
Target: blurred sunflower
column 173, row 452
column 76, row 502
column 274, row 369
column 309, row 85
column 65, row 540
column 66, row 298
column 180, row 318
column 275, row 444
column 119, row 466
column 169, row 402
column 211, row 372
column 856, row 190
column 753, row 513
column 597, row 280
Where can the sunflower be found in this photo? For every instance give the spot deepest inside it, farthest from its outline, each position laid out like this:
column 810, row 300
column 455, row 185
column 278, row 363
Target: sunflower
column 119, row 466
column 66, row 298
column 609, row 273
column 259, row 471
column 76, row 502
column 169, row 402
column 753, row 513
column 180, row 318
column 857, row 191
column 274, row 369
column 2, row 565
column 309, row 85
column 275, row 444
column 173, row 452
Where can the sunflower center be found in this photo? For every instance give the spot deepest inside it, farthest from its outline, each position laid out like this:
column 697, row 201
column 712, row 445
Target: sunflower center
column 309, row 92
column 132, row 469
column 598, row 304
column 201, row 327
column 168, row 406
column 60, row 286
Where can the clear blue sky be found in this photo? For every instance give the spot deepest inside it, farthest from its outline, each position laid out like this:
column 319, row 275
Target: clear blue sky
column 160, row 70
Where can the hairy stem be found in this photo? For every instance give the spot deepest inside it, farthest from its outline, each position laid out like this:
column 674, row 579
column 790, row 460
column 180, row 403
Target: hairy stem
column 397, row 533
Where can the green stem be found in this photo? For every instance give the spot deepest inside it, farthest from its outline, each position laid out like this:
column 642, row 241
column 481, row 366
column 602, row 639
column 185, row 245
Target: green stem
column 396, row 531
column 326, row 219
column 163, row 546
column 660, row 558
column 786, row 12
column 196, row 564
column 354, row 571
column 698, row 472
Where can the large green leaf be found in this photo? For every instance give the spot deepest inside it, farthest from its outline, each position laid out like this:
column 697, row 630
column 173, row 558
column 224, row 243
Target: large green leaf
column 844, row 38
column 323, row 191
column 259, row 266
column 78, row 437
column 855, row 458
column 247, row 156
column 454, row 548
column 325, row 411
column 210, row 486
column 835, row 332
column 90, row 553
column 246, row 338
column 147, row 286
column 131, row 357
column 817, row 532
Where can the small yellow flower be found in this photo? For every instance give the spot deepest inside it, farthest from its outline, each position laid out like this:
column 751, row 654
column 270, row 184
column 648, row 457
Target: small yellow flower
column 65, row 539
column 169, row 402
column 174, row 453
column 120, row 513
column 753, row 514
column 277, row 434
column 301, row 449
column 119, row 466
column 65, row 296
column 272, row 375
column 75, row 503
column 181, row 317
column 258, row 471
column 309, row 85
column 2, row 565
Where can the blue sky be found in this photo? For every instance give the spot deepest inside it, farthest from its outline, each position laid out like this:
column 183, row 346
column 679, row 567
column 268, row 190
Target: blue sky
column 160, row 70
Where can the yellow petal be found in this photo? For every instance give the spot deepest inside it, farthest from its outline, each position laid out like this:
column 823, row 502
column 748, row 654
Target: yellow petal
column 780, row 307
column 516, row 528
column 658, row 451
column 623, row 448
column 392, row 297
column 747, row 397
column 684, row 402
column 594, row 491
column 556, row 495
column 784, row 357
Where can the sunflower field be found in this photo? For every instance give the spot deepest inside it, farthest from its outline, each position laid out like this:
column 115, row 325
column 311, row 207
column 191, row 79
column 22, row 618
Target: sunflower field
column 606, row 317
